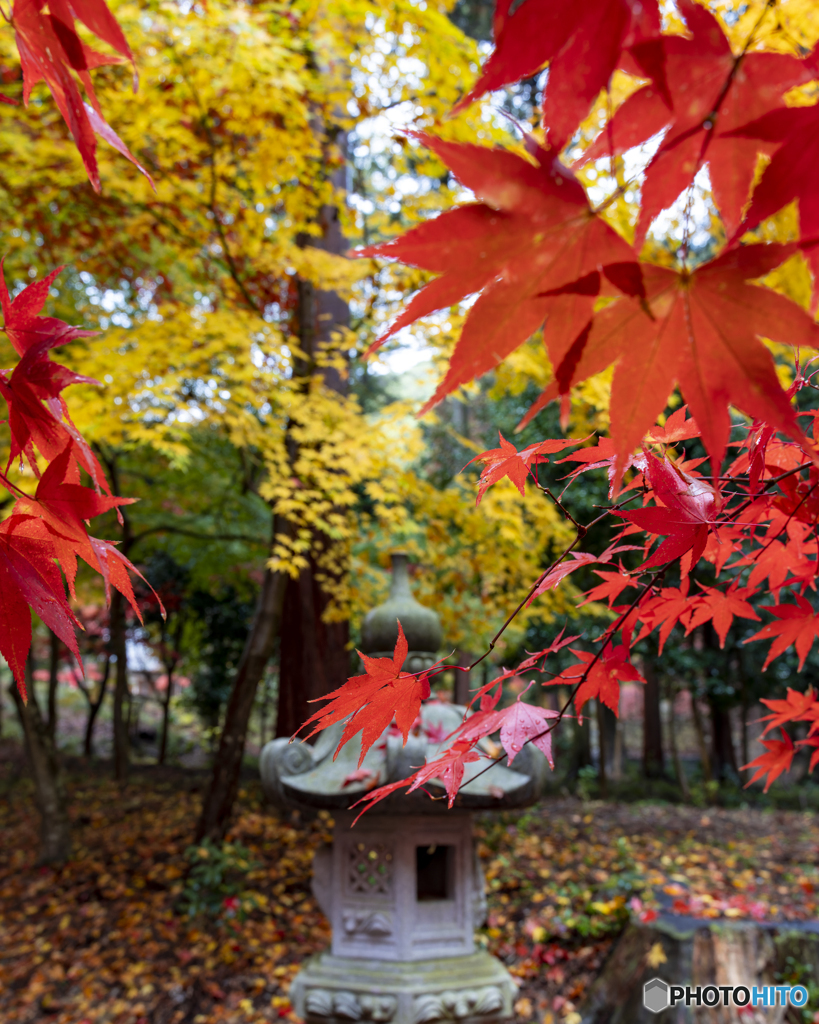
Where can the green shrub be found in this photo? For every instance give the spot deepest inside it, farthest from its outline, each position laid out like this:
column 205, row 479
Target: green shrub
column 216, row 884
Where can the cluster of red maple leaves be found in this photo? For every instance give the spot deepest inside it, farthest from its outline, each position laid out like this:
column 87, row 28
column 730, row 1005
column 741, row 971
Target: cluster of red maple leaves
column 756, row 525
column 48, row 532
column 51, row 51
column 540, row 257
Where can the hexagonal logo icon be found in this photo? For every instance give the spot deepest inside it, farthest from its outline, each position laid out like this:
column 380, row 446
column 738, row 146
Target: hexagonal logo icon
column 655, row 995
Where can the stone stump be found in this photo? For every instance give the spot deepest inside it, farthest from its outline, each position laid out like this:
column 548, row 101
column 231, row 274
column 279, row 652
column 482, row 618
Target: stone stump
column 701, row 952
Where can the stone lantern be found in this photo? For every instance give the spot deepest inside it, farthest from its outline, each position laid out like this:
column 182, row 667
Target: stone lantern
column 403, row 890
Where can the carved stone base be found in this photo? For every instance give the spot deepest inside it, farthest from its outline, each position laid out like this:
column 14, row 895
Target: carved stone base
column 462, row 990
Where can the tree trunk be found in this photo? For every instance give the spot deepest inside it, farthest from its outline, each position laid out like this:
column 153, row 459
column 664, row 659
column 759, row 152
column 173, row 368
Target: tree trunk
column 602, row 749
column 746, row 757
column 581, row 745
column 94, row 707
column 49, row 786
column 264, row 710
column 53, row 669
column 227, row 766
column 116, row 640
column 121, row 695
column 699, row 729
column 607, row 724
column 463, row 680
column 723, row 755
column 315, row 652
column 166, row 714
column 314, row 657
column 679, row 770
column 653, row 760
column 619, row 751
column 170, row 665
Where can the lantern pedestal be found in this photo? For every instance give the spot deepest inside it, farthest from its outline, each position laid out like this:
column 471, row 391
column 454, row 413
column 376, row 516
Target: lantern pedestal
column 336, row 990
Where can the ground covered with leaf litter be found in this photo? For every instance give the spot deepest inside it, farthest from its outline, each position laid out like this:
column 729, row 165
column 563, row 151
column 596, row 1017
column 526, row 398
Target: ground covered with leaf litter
column 106, row 938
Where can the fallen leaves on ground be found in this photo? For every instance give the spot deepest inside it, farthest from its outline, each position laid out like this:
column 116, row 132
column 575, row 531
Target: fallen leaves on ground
column 562, row 880
column 102, row 939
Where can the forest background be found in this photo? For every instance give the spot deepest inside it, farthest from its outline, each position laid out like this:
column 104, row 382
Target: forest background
column 231, row 332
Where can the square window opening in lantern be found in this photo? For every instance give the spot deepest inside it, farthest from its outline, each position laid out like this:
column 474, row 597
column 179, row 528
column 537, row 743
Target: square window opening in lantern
column 434, row 868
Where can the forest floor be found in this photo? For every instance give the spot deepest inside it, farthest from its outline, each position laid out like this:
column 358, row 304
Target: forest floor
column 104, row 939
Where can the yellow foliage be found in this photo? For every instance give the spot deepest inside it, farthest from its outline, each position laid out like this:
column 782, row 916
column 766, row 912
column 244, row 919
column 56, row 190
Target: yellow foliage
column 787, row 26
column 241, row 118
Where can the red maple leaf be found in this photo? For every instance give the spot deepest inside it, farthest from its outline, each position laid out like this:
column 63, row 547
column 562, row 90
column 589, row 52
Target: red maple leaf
column 374, row 699
column 613, row 586
column 21, row 315
column 799, row 498
column 38, row 416
column 574, row 560
column 448, row 769
column 720, row 608
column 64, row 505
column 559, row 572
column 712, row 93
column 753, row 461
column 583, row 44
column 603, row 676
column 770, row 562
column 472, row 727
column 32, row 423
column 30, row 579
column 798, row 625
column 766, row 454
column 701, row 330
column 676, row 428
column 523, row 723
column 721, row 545
column 599, row 456
column 50, row 50
column 508, row 461
column 791, row 174
column 365, row 775
column 665, row 610
column 777, row 759
column 533, row 232
column 519, row 724
column 114, row 568
column 796, row 707
column 684, row 518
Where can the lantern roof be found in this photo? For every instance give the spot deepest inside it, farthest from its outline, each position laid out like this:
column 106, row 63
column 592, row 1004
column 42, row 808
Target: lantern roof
column 421, row 625
column 296, row 774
